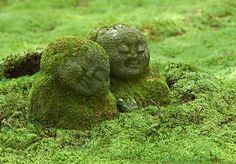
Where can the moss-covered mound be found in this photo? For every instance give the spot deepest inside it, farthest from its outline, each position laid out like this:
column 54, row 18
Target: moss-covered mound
column 82, row 65
column 72, row 91
column 19, row 65
column 148, row 89
column 62, row 49
column 189, row 83
column 14, row 101
column 54, row 105
column 126, row 47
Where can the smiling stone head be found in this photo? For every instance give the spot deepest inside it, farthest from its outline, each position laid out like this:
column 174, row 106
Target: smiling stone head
column 126, row 47
column 78, row 64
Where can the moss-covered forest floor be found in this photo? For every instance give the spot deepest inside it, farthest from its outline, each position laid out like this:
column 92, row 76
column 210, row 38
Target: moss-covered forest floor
column 193, row 42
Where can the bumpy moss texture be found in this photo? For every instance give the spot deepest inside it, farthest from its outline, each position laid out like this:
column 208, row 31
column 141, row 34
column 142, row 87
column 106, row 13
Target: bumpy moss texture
column 204, row 98
column 55, row 106
column 126, row 47
column 62, row 49
column 189, row 83
column 62, row 96
column 80, row 64
column 148, row 89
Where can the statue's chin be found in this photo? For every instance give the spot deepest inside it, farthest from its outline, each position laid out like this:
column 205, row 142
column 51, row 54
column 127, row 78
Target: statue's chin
column 128, row 73
column 92, row 91
column 84, row 91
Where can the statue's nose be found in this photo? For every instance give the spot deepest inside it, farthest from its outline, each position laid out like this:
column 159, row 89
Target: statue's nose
column 89, row 73
column 132, row 54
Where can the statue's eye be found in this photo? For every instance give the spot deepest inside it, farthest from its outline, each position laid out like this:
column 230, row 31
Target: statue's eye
column 100, row 74
column 83, row 69
column 123, row 49
column 141, row 49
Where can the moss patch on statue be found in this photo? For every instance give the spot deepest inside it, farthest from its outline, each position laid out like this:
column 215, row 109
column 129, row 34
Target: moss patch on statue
column 146, row 90
column 72, row 91
column 56, row 106
column 80, row 64
column 132, row 78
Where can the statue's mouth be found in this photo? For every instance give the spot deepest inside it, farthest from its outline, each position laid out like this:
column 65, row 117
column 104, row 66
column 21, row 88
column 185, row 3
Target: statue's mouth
column 84, row 82
column 133, row 64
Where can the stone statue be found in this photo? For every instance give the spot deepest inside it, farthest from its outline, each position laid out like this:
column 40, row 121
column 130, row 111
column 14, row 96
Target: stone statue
column 131, row 76
column 86, row 74
column 73, row 89
column 127, row 47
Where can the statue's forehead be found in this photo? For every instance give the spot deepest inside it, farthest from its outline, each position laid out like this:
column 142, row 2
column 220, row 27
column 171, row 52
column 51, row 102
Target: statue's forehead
column 131, row 43
column 86, row 60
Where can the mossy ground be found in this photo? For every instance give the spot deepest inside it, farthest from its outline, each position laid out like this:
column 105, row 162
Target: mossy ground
column 199, row 124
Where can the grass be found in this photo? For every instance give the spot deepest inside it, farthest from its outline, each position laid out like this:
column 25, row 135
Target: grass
column 193, row 44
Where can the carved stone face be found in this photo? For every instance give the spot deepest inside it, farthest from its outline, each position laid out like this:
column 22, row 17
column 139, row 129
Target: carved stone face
column 131, row 57
column 127, row 48
column 87, row 76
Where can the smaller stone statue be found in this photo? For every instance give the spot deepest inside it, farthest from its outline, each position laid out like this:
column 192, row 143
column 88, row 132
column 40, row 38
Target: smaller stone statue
column 73, row 89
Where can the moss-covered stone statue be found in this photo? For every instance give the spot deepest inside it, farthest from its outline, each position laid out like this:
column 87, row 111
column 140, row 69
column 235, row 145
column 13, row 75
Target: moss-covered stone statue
column 132, row 80
column 73, row 89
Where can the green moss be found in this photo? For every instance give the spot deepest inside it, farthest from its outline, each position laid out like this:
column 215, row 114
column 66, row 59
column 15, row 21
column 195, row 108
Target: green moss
column 202, row 130
column 189, row 83
column 175, row 71
column 19, row 139
column 165, row 25
column 14, row 101
column 54, row 105
column 59, row 51
column 72, row 91
column 148, row 89
column 217, row 15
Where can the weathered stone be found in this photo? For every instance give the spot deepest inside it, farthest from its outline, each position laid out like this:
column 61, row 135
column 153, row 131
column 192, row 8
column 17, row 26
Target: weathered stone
column 126, row 47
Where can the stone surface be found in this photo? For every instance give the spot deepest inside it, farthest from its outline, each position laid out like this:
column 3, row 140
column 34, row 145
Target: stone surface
column 126, row 47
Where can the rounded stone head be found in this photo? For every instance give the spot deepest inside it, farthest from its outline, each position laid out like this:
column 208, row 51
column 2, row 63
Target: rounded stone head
column 126, row 47
column 78, row 64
